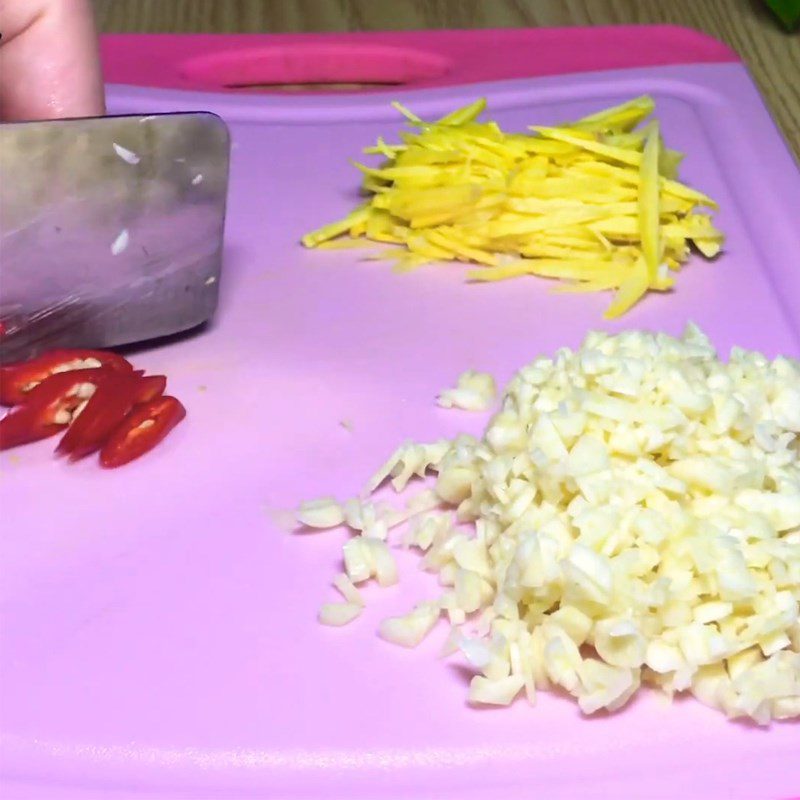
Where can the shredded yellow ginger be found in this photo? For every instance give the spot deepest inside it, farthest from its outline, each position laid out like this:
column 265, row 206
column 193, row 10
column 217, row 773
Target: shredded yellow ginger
column 595, row 203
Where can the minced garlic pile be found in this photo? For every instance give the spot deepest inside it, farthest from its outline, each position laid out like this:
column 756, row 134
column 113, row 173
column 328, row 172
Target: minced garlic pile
column 595, row 202
column 630, row 516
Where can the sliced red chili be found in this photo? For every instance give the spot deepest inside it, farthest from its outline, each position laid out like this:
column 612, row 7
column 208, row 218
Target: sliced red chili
column 17, row 380
column 142, row 430
column 50, row 405
column 106, row 409
column 150, row 387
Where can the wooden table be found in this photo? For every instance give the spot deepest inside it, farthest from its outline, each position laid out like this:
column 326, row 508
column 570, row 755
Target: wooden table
column 772, row 55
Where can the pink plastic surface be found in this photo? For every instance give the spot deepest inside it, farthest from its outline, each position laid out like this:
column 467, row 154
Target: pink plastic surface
column 413, row 59
column 159, row 625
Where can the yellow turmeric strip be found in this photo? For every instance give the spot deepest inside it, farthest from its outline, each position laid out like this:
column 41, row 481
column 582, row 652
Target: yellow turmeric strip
column 379, row 223
column 707, row 231
column 708, row 247
column 381, row 148
column 334, row 229
column 416, row 156
column 433, row 220
column 408, row 114
column 546, row 147
column 376, row 187
column 631, row 290
column 571, row 270
column 468, row 113
column 410, row 172
column 409, row 262
column 359, row 228
column 603, row 241
column 432, row 200
column 649, row 201
column 686, row 193
column 536, row 205
column 632, row 177
column 516, row 224
column 662, row 283
column 345, row 243
column 629, row 157
column 623, row 117
column 554, row 251
column 627, row 227
column 441, row 238
column 422, row 245
column 586, row 287
column 627, row 141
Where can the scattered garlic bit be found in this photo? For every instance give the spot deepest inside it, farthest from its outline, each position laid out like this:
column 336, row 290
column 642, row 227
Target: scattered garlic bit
column 635, row 519
column 348, row 590
column 423, row 530
column 366, row 557
column 408, row 461
column 411, row 629
column 125, row 154
column 474, row 391
column 358, row 564
column 385, row 568
column 499, row 692
column 338, row 614
column 120, row 243
column 322, row 513
column 594, row 203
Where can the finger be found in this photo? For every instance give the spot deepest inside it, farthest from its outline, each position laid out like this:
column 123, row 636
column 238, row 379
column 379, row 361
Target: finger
column 49, row 62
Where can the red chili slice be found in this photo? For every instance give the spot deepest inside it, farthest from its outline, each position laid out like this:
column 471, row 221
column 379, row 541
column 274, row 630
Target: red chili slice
column 17, row 380
column 106, row 409
column 146, row 426
column 150, row 387
column 50, row 405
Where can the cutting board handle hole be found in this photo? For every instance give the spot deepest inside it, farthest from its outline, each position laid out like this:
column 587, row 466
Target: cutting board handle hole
column 320, row 86
column 315, row 67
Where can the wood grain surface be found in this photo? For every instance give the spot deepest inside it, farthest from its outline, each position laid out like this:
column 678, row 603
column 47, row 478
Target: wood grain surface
column 772, row 55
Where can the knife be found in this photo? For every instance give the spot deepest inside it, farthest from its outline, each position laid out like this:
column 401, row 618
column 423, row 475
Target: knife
column 111, row 229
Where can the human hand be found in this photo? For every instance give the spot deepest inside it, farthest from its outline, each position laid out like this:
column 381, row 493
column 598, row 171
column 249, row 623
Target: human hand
column 49, row 63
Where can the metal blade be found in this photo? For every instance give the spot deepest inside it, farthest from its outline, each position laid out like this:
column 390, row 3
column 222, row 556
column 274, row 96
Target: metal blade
column 110, row 229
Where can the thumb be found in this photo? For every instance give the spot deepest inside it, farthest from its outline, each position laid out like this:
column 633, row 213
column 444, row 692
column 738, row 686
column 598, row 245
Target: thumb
column 49, row 62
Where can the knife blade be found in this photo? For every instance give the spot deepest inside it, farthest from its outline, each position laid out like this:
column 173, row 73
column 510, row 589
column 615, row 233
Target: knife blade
column 111, row 229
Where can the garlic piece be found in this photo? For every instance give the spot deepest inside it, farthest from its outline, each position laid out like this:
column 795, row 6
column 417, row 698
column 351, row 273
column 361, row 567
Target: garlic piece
column 322, row 513
column 338, row 614
column 474, row 391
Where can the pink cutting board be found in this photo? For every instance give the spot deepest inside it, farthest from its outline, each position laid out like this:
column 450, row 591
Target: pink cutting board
column 159, row 626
